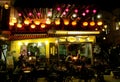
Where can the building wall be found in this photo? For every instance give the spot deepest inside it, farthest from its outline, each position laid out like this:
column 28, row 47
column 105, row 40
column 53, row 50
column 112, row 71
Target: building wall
column 16, row 45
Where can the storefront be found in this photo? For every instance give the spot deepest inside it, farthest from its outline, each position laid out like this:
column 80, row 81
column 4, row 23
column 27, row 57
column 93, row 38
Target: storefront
column 59, row 43
column 50, row 32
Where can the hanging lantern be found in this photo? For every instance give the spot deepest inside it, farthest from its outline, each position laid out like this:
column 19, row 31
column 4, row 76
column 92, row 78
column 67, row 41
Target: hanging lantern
column 6, row 6
column 42, row 25
column 92, row 23
column 66, row 21
column 11, row 23
column 85, row 23
column 14, row 20
column 48, row 21
column 49, row 14
column 57, row 21
column 74, row 23
column 32, row 26
column 19, row 25
column 99, row 23
column 27, row 21
column 37, row 21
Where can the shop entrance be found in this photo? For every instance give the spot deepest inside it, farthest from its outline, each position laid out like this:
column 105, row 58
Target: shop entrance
column 61, row 50
column 84, row 49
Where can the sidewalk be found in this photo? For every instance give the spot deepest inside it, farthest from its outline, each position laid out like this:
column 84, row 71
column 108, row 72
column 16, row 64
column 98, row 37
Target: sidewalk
column 108, row 78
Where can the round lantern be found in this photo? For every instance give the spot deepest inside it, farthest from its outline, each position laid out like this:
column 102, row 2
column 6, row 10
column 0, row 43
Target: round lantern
column 99, row 23
column 74, row 23
column 57, row 21
column 37, row 21
column 92, row 23
column 32, row 26
column 27, row 21
column 66, row 22
column 85, row 23
column 19, row 25
column 42, row 25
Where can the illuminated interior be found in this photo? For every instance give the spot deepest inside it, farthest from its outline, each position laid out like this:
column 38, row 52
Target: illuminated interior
column 43, row 44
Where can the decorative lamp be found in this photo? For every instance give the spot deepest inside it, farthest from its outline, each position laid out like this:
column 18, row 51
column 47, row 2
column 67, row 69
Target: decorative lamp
column 19, row 14
column 66, row 21
column 57, row 21
column 6, row 6
column 58, row 8
column 76, row 10
column 49, row 14
column 87, row 11
column 11, row 23
column 99, row 23
column 14, row 20
column 85, row 23
column 32, row 26
column 19, row 25
column 27, row 21
column 74, row 23
column 42, row 25
column 94, row 11
column 48, row 21
column 92, row 23
column 37, row 21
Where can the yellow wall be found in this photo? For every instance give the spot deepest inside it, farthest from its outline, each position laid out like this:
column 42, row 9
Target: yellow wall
column 15, row 45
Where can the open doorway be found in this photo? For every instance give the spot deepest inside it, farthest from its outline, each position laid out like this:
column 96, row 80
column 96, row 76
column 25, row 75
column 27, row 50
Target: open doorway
column 83, row 49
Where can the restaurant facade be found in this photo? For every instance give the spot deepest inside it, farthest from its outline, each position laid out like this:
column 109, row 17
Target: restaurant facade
column 58, row 31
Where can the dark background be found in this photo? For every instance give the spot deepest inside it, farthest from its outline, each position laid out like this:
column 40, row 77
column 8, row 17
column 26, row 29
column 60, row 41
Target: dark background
column 103, row 4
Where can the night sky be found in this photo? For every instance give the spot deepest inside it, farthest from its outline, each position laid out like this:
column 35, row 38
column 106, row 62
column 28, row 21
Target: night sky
column 103, row 4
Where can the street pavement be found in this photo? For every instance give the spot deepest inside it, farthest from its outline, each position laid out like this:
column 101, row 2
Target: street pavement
column 108, row 78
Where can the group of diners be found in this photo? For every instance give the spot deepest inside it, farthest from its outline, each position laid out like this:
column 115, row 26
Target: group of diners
column 79, row 67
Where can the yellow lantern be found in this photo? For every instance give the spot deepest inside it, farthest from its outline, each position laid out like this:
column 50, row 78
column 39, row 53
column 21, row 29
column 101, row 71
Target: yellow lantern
column 92, row 23
column 19, row 25
column 74, row 23
column 11, row 23
column 14, row 20
column 66, row 21
column 57, row 21
column 99, row 23
column 37, row 21
column 85, row 23
column 32, row 26
column 48, row 21
column 6, row 6
column 42, row 25
column 27, row 21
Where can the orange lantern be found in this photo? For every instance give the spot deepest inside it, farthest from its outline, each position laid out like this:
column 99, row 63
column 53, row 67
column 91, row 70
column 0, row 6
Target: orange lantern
column 42, row 25
column 32, row 26
column 92, row 23
column 19, row 25
column 66, row 21
column 11, row 23
column 27, row 21
column 37, row 21
column 74, row 23
column 14, row 20
column 6, row 6
column 99, row 23
column 48, row 21
column 57, row 21
column 85, row 23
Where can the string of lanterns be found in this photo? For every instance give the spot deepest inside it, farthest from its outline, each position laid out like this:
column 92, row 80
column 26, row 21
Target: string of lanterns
column 57, row 22
column 54, row 19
